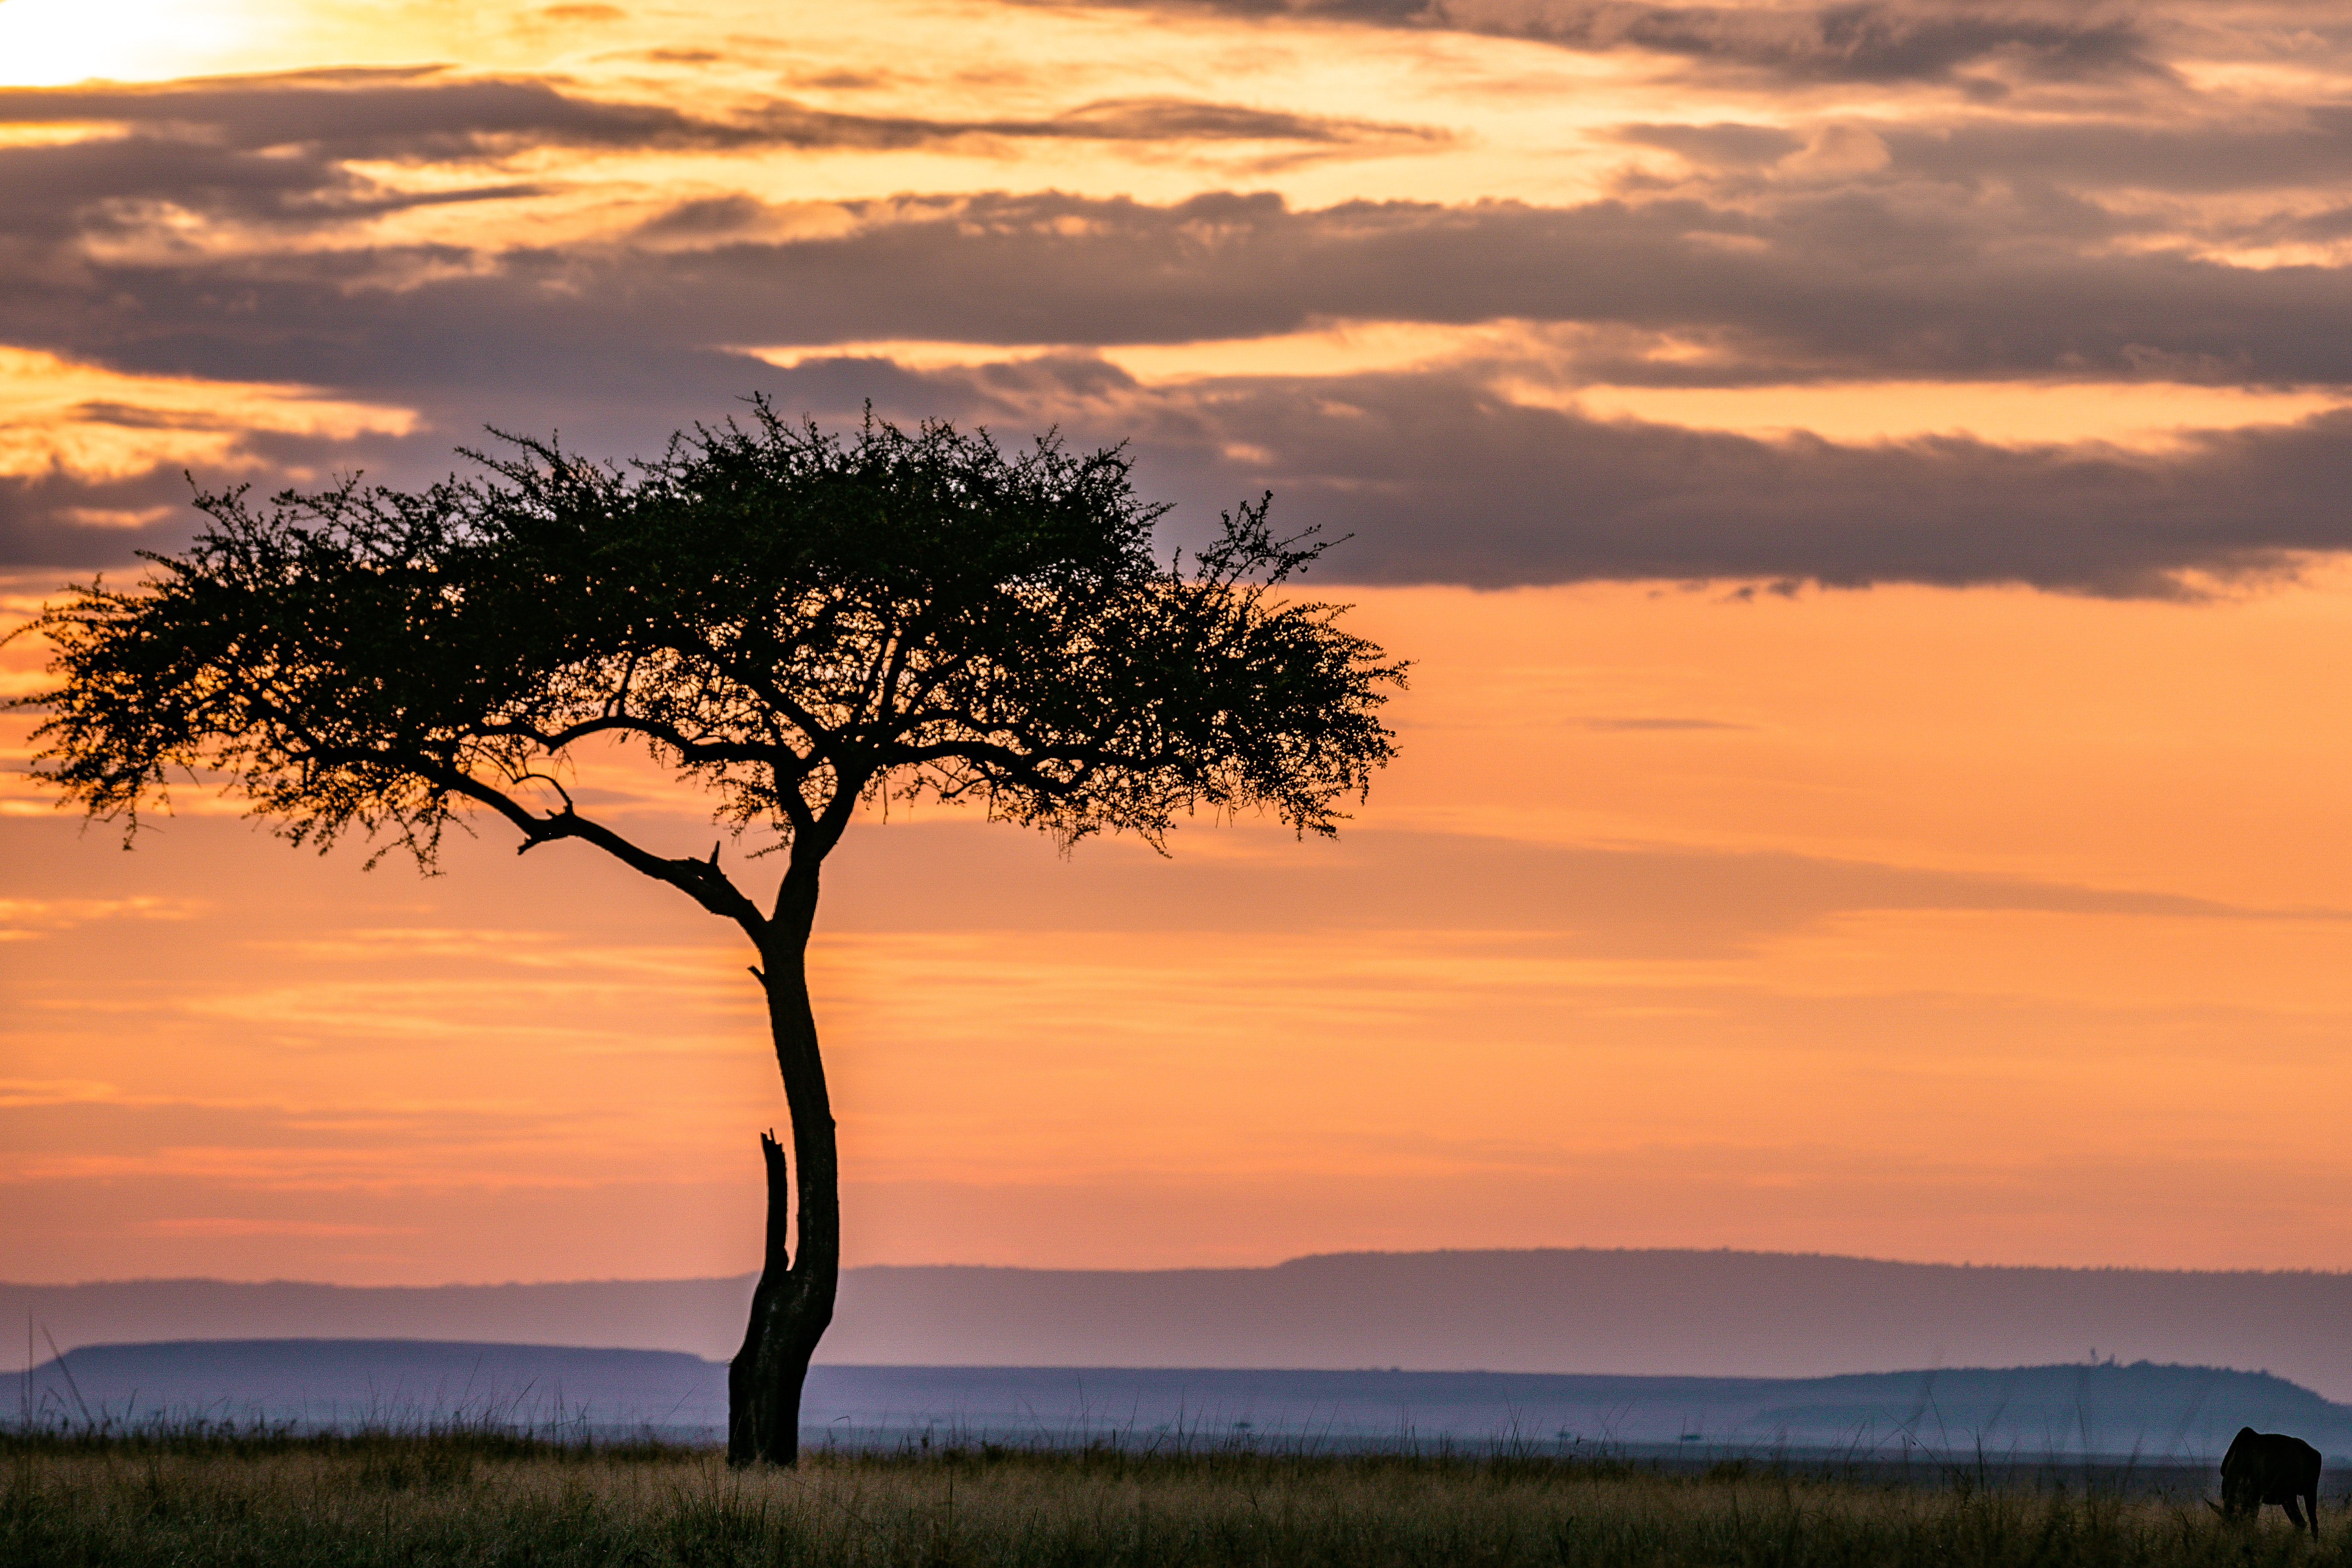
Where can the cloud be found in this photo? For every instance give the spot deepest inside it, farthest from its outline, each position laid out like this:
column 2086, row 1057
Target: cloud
column 1724, row 143
column 213, row 230
column 597, row 927
column 67, row 521
column 153, row 1131
column 1851, row 41
column 1869, row 41
column 1615, row 900
column 1184, row 119
column 413, row 113
column 25, row 918
column 1442, row 473
column 1443, row 480
column 1439, row 480
column 419, row 114
column 118, row 481
column 215, row 1226
column 2309, row 148
column 1841, row 287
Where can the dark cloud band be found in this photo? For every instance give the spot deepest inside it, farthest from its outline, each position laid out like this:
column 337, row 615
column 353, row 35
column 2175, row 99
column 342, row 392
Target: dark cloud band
column 1444, row 482
column 1855, row 288
column 1439, row 480
column 1853, row 40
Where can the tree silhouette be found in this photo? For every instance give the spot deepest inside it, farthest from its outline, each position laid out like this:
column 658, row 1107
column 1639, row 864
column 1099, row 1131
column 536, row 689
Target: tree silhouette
column 794, row 621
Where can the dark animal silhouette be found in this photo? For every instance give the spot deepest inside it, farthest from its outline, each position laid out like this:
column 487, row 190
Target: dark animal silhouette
column 2270, row 1467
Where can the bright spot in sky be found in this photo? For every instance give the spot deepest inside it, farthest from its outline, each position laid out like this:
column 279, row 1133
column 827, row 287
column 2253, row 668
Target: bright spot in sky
column 49, row 43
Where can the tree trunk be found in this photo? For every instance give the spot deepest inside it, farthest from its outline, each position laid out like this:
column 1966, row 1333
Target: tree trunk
column 793, row 1303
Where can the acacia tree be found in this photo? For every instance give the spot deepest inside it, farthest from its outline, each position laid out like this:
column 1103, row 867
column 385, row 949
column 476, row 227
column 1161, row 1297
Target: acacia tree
column 796, row 622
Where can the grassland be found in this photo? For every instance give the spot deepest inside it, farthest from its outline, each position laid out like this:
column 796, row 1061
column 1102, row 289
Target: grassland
column 481, row 1498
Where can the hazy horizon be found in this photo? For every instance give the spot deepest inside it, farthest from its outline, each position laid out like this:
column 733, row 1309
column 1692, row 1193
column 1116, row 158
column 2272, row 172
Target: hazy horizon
column 1635, row 1312
column 2145, row 1414
column 1192, row 1268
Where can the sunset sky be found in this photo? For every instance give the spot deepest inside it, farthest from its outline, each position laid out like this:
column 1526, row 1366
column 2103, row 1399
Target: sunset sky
column 1866, row 489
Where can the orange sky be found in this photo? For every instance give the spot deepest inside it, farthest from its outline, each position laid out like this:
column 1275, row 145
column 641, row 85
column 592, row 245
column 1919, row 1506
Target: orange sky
column 1989, row 926
column 1988, row 903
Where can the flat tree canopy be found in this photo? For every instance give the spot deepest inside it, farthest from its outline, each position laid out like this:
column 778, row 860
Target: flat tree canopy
column 797, row 623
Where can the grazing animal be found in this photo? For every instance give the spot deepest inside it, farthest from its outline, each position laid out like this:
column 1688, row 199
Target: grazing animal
column 2270, row 1467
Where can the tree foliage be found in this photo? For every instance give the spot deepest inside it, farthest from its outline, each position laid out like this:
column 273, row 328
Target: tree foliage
column 797, row 621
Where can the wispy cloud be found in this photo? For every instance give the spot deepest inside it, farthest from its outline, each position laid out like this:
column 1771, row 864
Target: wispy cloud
column 1660, row 725
column 425, row 115
column 23, row 919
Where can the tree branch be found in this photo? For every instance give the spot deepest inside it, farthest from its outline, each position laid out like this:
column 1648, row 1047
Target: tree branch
column 700, row 880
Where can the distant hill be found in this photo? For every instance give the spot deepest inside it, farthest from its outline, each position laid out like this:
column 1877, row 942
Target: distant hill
column 1581, row 1311
column 2155, row 1413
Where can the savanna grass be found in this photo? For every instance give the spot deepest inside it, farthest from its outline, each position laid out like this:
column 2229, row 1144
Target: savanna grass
column 469, row 1498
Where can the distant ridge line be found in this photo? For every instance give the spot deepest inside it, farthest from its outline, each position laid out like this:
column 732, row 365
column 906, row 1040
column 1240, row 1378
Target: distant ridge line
column 1766, row 1252
column 1255, row 1268
column 1655, row 1312
column 1345, row 1254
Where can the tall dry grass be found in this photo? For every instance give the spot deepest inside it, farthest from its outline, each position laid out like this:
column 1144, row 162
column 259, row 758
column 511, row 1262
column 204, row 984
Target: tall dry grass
column 481, row 1498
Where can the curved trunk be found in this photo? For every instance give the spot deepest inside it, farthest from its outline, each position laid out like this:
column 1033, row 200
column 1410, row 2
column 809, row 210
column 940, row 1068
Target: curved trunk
column 793, row 1303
